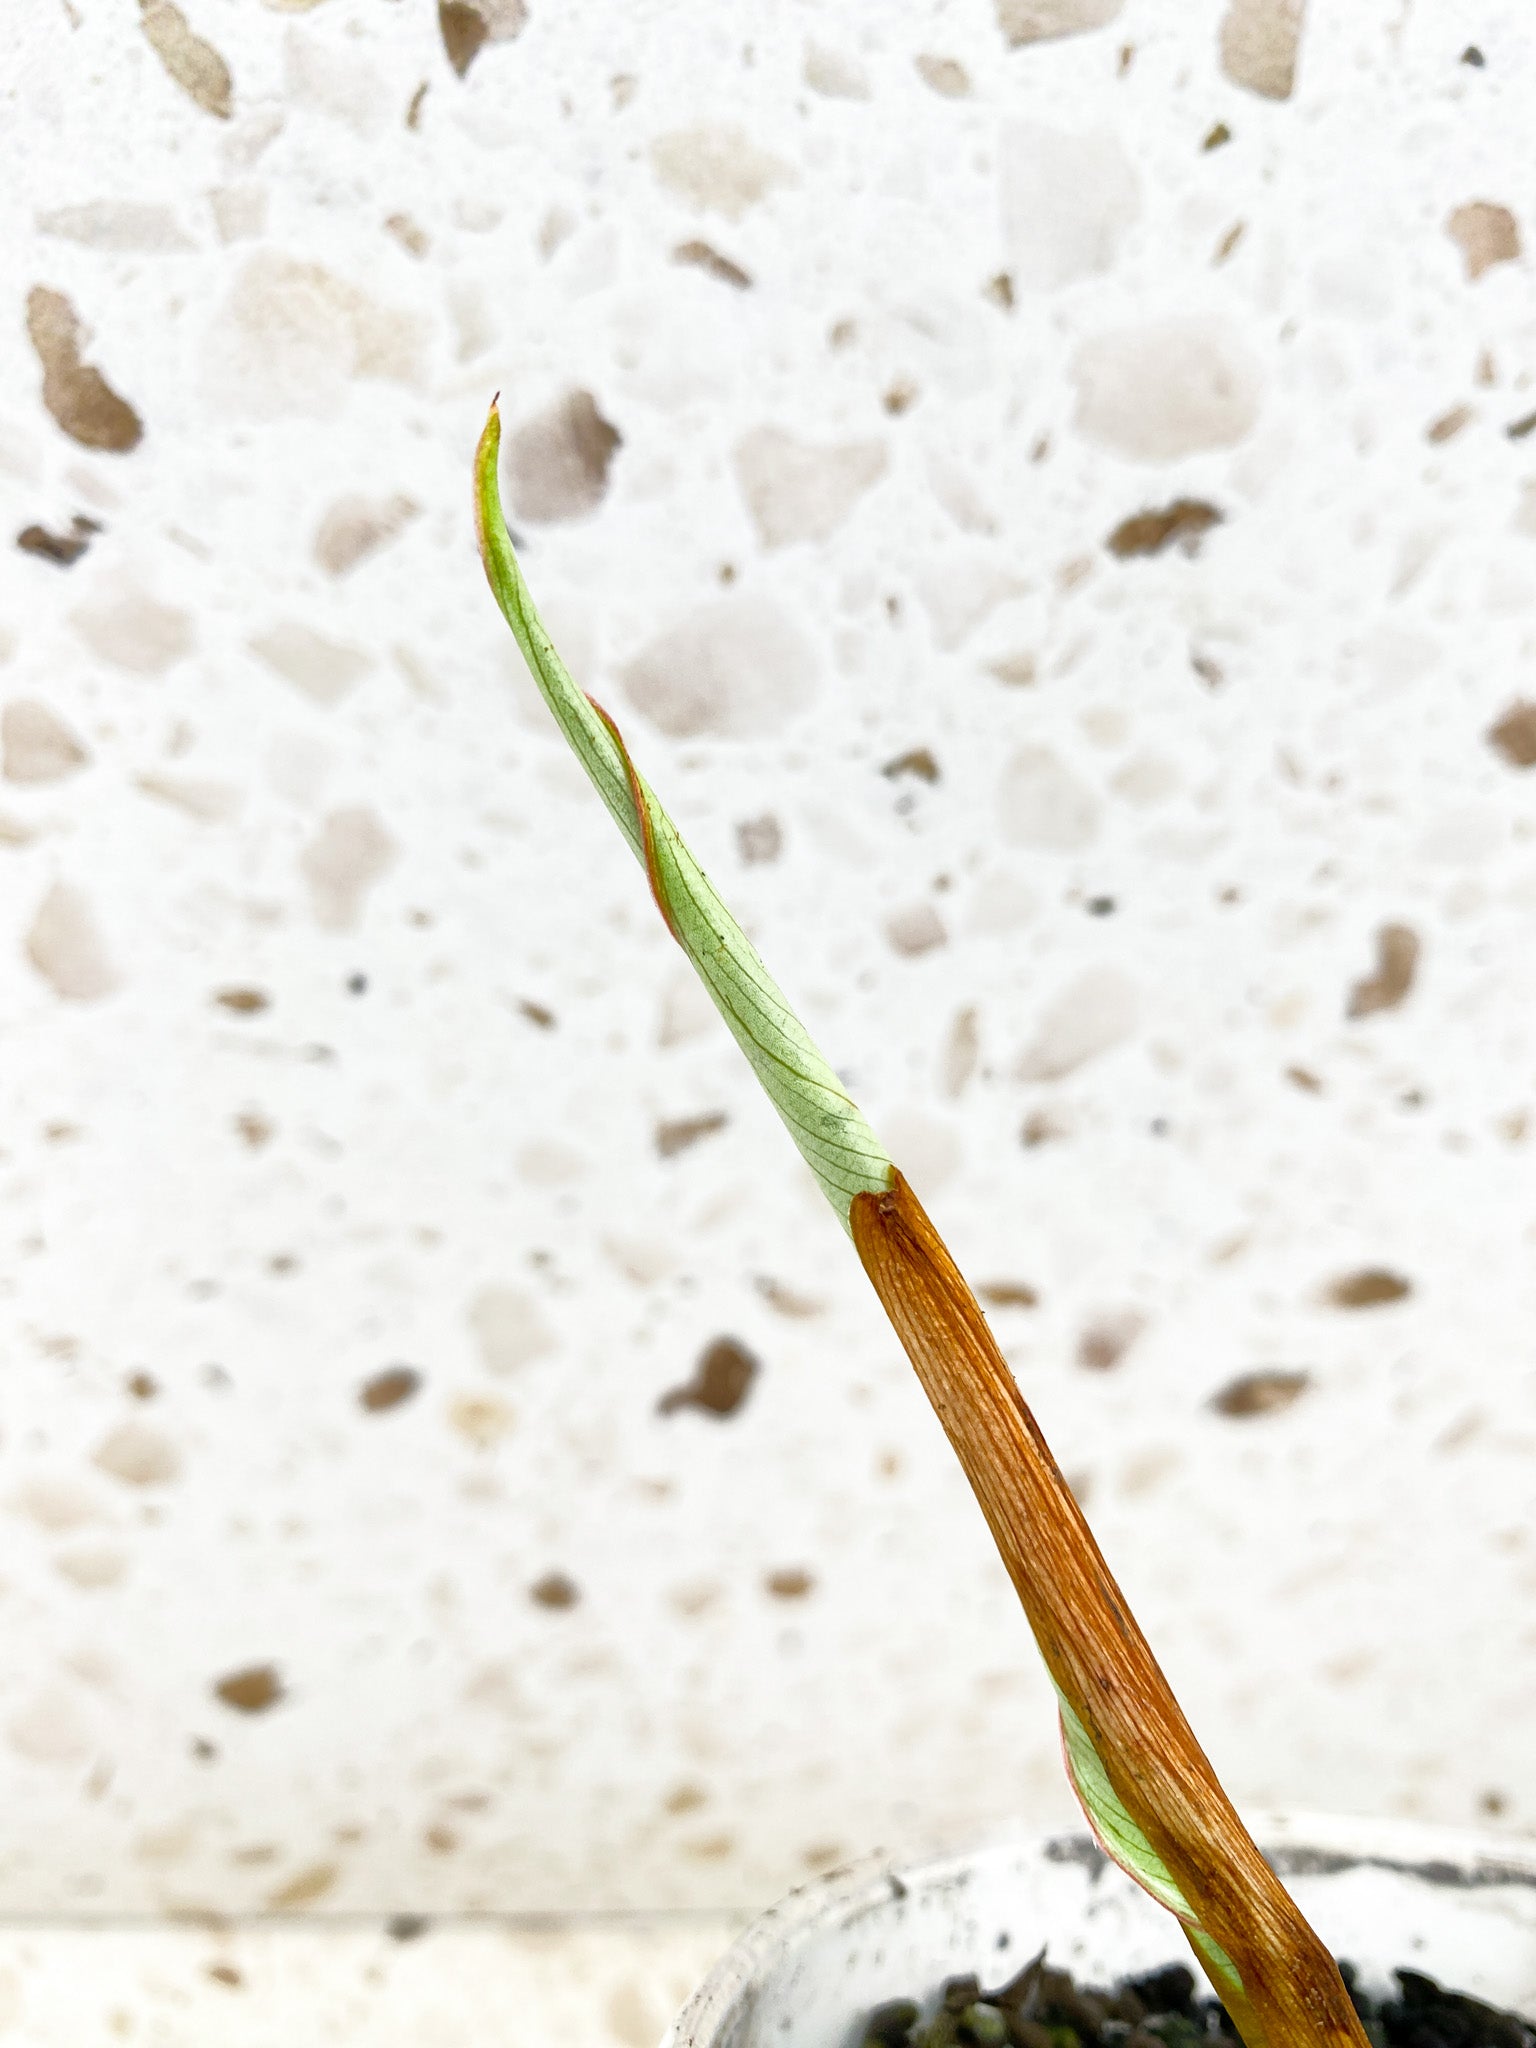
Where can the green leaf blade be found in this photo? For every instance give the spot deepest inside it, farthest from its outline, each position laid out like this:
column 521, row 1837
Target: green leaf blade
column 828, row 1128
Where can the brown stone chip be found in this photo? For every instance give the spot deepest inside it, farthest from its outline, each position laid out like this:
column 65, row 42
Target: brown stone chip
column 303, row 1888
column 245, row 1002
column 1370, row 1287
column 556, row 1589
column 1485, row 234
column 1105, row 1342
column 1185, row 522
column 918, row 761
column 916, row 930
column 195, row 65
column 1514, row 735
column 558, row 462
column 1448, row 425
column 678, row 1133
column 464, row 31
column 1397, row 960
column 63, row 548
column 793, row 1582
column 702, row 257
column 251, row 1690
column 785, row 1300
column 78, row 396
column 947, row 76
column 721, row 1381
column 1518, row 429
column 388, row 1389
column 1008, row 1294
column 759, row 839
column 1260, row 1393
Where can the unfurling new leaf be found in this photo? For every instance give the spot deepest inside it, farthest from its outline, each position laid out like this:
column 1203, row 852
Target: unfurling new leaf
column 1148, row 1790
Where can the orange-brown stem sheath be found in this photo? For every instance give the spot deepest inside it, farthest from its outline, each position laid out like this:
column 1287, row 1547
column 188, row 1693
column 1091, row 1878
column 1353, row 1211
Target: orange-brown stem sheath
column 642, row 820
column 1092, row 1646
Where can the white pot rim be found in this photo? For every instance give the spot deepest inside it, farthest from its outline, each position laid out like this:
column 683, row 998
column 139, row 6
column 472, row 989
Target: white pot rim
column 1301, row 1846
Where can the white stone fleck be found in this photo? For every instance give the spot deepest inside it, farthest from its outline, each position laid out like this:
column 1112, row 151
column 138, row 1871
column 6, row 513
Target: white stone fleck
column 1069, row 200
column 1043, row 804
column 1093, row 1014
column 1169, row 388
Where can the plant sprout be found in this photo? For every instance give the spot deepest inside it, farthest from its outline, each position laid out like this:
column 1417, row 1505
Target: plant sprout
column 1150, row 1795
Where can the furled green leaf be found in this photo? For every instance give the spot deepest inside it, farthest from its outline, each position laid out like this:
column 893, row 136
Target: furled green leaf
column 1145, row 1784
column 835, row 1141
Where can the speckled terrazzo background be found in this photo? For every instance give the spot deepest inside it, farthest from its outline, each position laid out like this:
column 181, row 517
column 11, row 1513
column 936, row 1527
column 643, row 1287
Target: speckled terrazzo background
column 1052, row 497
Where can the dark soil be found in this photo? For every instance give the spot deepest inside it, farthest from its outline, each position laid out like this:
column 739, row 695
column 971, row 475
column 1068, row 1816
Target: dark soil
column 1045, row 2008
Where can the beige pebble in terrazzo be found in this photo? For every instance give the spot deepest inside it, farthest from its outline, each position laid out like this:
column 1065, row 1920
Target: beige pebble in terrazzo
column 557, row 463
column 80, row 399
column 961, row 586
column 36, row 745
column 916, row 929
column 796, row 491
column 946, row 76
column 509, row 1328
column 717, row 168
column 195, row 796
column 65, row 945
column 1035, row 21
column 355, row 528
column 1168, row 388
column 324, row 670
column 1259, row 41
column 291, row 335
column 341, row 864
column 57, row 1504
column 335, row 81
column 1095, row 1012
column 1043, row 804
column 50, row 1730
column 138, row 1455
column 120, row 227
column 195, row 65
column 136, row 632
column 834, row 74
column 1486, row 234
column 1069, row 201
column 735, row 669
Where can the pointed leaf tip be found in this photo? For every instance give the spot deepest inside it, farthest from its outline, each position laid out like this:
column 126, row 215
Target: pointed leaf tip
column 827, row 1127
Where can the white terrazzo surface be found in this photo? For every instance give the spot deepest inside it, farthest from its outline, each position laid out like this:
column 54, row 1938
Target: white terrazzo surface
column 603, row 1984
column 369, row 1172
